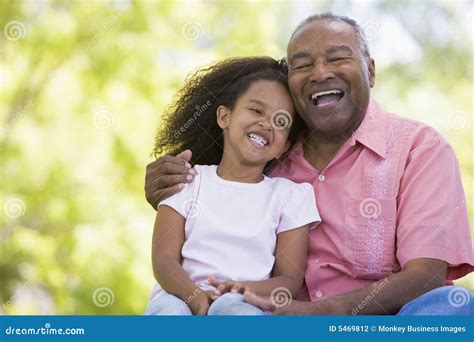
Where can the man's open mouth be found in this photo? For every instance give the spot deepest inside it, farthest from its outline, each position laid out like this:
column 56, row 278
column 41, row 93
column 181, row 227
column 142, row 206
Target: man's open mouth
column 326, row 97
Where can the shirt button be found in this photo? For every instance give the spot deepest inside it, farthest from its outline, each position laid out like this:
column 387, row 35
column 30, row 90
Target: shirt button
column 318, row 294
column 321, row 178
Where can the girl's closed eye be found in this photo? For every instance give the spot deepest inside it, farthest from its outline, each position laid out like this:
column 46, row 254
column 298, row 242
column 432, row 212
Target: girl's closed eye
column 256, row 110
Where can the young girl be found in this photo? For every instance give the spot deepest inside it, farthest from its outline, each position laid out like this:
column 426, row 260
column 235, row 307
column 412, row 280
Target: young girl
column 232, row 228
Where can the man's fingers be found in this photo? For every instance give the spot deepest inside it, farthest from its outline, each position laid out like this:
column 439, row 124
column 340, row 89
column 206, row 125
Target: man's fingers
column 163, row 194
column 173, row 169
column 262, row 303
column 167, row 181
column 173, row 160
column 185, row 155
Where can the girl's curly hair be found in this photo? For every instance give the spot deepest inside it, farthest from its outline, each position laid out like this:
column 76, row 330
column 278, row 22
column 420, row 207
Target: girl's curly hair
column 190, row 121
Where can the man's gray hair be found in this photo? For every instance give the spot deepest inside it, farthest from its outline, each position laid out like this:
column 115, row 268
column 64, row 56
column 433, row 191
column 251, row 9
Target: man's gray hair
column 364, row 48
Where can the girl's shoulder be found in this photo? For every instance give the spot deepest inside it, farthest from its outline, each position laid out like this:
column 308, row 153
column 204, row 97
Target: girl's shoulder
column 204, row 169
column 284, row 184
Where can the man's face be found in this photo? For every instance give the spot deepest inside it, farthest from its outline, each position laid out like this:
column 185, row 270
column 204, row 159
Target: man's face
column 329, row 78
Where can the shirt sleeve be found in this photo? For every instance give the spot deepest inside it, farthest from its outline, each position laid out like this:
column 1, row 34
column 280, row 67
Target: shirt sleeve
column 184, row 202
column 299, row 209
column 432, row 215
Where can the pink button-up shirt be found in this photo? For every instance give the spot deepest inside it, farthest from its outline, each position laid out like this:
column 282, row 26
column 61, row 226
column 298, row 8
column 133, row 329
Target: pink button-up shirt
column 391, row 194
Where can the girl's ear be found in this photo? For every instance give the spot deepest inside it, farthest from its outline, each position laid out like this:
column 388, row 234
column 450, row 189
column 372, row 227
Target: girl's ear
column 223, row 116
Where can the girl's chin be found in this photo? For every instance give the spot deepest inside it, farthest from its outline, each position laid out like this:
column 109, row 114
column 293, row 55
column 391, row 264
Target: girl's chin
column 255, row 159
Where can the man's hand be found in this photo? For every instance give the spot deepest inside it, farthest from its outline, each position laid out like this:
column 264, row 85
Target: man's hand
column 294, row 307
column 166, row 176
column 226, row 286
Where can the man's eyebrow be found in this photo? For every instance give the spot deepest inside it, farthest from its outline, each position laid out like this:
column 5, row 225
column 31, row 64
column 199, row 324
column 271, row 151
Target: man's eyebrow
column 337, row 48
column 299, row 55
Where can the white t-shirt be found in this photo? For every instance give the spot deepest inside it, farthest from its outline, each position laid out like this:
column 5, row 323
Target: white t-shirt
column 231, row 227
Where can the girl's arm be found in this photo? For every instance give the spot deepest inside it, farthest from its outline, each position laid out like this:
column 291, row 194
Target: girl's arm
column 168, row 239
column 288, row 271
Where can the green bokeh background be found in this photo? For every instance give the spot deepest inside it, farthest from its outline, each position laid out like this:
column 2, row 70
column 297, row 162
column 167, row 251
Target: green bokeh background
column 82, row 87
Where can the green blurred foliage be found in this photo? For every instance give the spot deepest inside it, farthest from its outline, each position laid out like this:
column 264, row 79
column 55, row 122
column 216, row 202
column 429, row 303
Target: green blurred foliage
column 81, row 93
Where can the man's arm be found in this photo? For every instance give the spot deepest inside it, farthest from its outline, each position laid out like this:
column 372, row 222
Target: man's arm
column 386, row 296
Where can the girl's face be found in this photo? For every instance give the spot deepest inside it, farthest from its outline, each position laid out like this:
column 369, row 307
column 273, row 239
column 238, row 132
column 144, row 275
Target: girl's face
column 256, row 130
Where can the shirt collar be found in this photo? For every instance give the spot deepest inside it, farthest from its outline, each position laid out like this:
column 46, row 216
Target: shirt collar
column 372, row 132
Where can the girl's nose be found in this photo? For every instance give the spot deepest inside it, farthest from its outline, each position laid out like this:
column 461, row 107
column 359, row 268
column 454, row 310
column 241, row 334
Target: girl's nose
column 265, row 124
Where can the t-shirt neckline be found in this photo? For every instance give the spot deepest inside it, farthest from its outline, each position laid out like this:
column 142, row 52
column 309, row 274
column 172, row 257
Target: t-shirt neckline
column 215, row 177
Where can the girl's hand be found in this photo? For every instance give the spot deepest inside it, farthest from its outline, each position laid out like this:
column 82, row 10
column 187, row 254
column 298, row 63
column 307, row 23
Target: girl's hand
column 200, row 305
column 227, row 286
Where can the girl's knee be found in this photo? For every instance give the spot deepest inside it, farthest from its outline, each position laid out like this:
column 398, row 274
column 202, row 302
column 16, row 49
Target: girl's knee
column 167, row 305
column 232, row 304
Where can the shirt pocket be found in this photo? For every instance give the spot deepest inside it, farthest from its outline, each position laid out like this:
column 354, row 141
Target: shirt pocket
column 370, row 237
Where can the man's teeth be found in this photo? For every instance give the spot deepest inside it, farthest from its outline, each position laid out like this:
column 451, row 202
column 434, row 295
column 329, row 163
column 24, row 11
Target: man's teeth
column 257, row 139
column 327, row 92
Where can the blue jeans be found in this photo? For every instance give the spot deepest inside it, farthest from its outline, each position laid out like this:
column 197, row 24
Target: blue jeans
column 229, row 304
column 443, row 301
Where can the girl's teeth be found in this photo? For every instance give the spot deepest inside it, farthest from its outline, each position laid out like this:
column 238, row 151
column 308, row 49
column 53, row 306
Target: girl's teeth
column 257, row 139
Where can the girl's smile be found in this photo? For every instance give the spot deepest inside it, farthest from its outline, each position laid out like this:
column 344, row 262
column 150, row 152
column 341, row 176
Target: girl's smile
column 253, row 130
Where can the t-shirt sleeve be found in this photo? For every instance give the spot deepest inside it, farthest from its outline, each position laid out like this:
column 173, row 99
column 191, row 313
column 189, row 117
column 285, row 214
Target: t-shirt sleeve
column 183, row 202
column 432, row 215
column 299, row 209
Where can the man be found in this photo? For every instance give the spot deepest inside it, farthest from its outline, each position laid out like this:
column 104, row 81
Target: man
column 389, row 191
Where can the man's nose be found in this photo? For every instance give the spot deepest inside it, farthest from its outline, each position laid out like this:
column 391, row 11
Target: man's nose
column 321, row 72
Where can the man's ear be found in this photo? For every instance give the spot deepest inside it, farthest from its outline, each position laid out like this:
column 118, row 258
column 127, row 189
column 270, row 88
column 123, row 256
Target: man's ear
column 371, row 73
column 223, row 116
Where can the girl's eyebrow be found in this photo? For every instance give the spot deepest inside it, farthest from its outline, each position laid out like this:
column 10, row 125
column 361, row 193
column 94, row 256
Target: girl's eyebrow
column 258, row 102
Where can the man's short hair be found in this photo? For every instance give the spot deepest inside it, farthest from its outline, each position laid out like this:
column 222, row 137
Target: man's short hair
column 363, row 46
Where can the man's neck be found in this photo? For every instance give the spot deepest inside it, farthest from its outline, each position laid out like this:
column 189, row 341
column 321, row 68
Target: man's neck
column 319, row 152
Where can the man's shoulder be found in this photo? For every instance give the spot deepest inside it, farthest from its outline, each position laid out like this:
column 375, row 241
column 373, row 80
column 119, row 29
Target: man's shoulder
column 416, row 132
